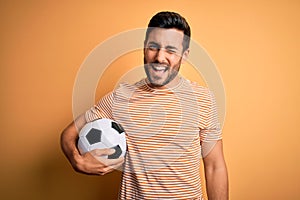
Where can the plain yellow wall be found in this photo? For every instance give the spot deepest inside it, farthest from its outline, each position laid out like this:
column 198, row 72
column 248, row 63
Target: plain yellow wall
column 255, row 45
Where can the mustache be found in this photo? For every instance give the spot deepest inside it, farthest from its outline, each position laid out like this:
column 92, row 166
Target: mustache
column 156, row 63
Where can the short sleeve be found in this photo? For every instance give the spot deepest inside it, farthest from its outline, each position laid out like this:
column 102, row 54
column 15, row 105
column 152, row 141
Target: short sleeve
column 210, row 130
column 103, row 108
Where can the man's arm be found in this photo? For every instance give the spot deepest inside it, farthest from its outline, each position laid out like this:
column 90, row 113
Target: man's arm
column 90, row 162
column 216, row 173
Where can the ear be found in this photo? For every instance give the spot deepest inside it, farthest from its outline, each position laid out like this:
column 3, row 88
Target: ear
column 185, row 55
column 145, row 43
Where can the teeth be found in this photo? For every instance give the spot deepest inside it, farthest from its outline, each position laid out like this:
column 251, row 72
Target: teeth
column 159, row 68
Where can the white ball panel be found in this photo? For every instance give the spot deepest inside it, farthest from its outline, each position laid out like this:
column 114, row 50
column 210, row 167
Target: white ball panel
column 85, row 129
column 109, row 137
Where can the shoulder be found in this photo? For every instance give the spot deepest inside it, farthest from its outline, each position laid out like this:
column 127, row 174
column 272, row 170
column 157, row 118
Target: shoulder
column 198, row 90
column 126, row 89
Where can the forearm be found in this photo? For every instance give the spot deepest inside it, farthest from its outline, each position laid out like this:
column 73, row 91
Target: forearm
column 68, row 143
column 69, row 139
column 217, row 183
column 216, row 173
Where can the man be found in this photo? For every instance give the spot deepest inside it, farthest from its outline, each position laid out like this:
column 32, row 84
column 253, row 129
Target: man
column 169, row 122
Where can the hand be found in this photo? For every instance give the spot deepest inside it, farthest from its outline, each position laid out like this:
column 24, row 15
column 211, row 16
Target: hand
column 92, row 162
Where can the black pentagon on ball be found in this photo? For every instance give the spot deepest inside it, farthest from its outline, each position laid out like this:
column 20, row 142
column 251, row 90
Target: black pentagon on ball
column 117, row 127
column 94, row 136
column 117, row 153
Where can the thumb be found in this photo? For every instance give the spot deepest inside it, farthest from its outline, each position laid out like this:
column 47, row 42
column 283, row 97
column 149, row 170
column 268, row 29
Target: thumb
column 103, row 152
column 110, row 151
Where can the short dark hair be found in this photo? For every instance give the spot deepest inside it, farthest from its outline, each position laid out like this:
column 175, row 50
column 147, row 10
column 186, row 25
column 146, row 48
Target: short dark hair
column 168, row 19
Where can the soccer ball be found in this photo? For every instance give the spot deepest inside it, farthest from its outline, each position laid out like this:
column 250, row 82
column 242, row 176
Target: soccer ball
column 103, row 133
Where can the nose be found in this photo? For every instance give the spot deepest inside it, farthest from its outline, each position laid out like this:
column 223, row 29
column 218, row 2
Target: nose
column 161, row 56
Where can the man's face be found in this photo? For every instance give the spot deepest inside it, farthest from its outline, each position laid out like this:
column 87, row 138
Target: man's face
column 163, row 54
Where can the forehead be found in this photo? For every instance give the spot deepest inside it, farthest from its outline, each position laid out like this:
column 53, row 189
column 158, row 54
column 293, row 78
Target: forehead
column 166, row 37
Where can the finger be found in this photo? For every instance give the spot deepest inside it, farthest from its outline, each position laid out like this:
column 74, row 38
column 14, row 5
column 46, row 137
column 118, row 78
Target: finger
column 104, row 162
column 110, row 162
column 118, row 167
column 102, row 152
column 104, row 168
column 109, row 169
column 106, row 171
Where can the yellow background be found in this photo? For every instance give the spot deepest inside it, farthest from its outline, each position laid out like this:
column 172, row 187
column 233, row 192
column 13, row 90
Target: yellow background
column 255, row 45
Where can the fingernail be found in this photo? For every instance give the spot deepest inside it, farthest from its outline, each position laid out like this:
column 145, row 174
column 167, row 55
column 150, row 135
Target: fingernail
column 111, row 151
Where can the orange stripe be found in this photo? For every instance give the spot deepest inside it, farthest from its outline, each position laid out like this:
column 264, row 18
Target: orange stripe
column 164, row 129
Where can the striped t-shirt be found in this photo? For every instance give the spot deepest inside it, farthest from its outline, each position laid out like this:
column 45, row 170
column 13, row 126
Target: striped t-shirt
column 164, row 128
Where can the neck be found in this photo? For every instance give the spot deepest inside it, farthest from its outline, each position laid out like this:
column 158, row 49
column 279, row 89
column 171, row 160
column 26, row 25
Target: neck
column 171, row 84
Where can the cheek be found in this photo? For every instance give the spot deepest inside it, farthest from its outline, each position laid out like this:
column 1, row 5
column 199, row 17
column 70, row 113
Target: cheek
column 149, row 56
column 175, row 59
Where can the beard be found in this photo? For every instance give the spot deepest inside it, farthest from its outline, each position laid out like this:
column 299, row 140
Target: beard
column 159, row 74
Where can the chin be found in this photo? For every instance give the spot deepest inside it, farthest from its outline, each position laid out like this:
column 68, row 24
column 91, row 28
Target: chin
column 160, row 83
column 157, row 84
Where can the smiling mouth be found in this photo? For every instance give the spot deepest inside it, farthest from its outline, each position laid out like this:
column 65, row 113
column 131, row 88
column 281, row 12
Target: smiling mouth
column 159, row 68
